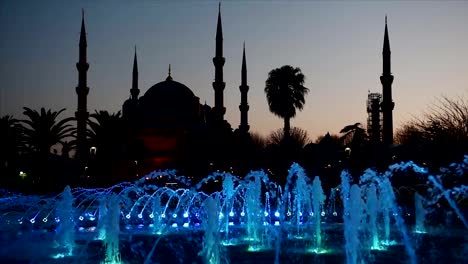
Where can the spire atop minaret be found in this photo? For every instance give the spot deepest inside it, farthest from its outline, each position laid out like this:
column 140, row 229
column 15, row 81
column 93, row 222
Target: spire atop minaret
column 134, row 91
column 169, row 77
column 244, row 68
column 244, row 88
column 218, row 61
column 83, row 30
column 386, row 79
column 386, row 44
column 219, row 34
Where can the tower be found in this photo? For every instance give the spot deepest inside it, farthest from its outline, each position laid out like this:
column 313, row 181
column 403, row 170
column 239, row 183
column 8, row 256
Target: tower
column 218, row 61
column 82, row 91
column 244, row 88
column 387, row 103
column 134, row 91
column 374, row 116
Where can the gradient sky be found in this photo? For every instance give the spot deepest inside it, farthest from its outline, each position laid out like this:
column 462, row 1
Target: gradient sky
column 337, row 45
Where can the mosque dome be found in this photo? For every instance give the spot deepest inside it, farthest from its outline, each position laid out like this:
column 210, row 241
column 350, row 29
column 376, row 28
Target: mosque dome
column 169, row 102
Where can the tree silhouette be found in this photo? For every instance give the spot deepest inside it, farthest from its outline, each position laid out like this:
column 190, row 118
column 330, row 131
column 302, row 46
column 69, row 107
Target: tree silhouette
column 285, row 93
column 105, row 129
column 42, row 130
column 298, row 137
column 106, row 136
column 440, row 135
column 353, row 135
column 11, row 142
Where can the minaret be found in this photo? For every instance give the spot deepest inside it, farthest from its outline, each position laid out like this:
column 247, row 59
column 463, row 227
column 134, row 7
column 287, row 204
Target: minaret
column 218, row 61
column 244, row 106
column 135, row 91
column 82, row 91
column 387, row 103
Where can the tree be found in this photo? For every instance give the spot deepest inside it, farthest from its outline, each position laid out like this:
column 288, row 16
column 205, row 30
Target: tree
column 42, row 130
column 440, row 135
column 11, row 142
column 285, row 93
column 106, row 137
column 298, row 137
column 353, row 135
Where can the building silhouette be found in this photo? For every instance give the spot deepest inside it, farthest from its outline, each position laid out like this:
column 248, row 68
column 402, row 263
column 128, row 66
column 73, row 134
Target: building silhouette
column 167, row 124
column 387, row 102
column 82, row 91
column 380, row 106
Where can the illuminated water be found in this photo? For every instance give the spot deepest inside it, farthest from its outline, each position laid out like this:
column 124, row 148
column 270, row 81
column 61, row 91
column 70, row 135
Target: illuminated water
column 224, row 218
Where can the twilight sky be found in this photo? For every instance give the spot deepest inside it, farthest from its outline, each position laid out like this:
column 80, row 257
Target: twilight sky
column 337, row 45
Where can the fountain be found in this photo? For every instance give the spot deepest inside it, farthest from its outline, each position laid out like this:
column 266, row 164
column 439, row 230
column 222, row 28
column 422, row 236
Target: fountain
column 248, row 217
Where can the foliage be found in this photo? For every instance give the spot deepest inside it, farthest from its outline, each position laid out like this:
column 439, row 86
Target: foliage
column 11, row 138
column 353, row 135
column 298, row 137
column 441, row 134
column 285, row 93
column 42, row 130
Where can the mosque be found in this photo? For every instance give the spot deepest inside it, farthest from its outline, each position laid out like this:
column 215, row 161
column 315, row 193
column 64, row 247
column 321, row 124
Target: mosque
column 168, row 119
column 169, row 127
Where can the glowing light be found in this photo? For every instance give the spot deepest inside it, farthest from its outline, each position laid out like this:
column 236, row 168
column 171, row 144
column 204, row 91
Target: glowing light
column 81, row 218
column 277, row 223
column 163, row 215
column 140, row 216
column 265, row 213
column 221, row 215
column 231, row 223
column 174, row 216
column 185, row 215
column 318, row 251
column 335, row 213
column 277, row 214
column 44, row 220
column 22, row 174
column 242, row 213
column 127, row 216
column 379, row 248
column 322, row 213
column 32, row 220
column 300, row 213
column 57, row 219
column 186, row 225
column 231, row 213
column 289, row 213
column 151, row 215
column 174, row 225
column 92, row 218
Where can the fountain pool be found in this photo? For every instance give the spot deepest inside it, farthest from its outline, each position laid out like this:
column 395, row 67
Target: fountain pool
column 248, row 220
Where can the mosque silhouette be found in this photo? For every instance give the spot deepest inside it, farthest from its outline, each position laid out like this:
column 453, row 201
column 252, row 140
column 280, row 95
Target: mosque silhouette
column 169, row 127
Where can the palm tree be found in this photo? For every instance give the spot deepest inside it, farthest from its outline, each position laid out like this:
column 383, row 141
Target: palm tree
column 106, row 137
column 105, row 130
column 353, row 135
column 42, row 130
column 285, row 93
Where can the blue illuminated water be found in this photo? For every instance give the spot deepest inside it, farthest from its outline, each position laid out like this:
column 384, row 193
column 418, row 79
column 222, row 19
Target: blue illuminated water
column 245, row 219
